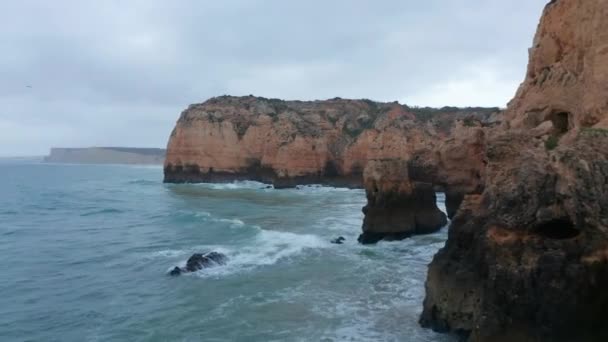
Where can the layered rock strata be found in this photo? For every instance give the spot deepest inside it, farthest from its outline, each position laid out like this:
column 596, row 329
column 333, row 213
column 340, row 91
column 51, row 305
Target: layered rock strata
column 527, row 259
column 295, row 142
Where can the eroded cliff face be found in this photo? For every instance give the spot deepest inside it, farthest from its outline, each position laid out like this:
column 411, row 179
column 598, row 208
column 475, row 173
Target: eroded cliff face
column 401, row 192
column 567, row 79
column 526, row 259
column 294, row 142
column 455, row 164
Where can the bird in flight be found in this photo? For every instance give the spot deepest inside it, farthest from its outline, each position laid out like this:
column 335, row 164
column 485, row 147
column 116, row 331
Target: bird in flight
column 28, row 86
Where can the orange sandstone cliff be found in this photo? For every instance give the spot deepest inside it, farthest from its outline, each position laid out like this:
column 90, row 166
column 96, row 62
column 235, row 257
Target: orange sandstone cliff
column 295, row 142
column 527, row 258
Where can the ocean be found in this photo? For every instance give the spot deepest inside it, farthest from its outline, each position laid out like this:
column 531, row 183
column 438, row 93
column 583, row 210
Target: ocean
column 85, row 251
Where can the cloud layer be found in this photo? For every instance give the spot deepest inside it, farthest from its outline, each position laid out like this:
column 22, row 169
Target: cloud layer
column 117, row 73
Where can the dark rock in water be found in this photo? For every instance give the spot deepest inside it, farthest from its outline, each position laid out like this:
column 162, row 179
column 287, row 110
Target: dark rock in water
column 198, row 261
column 268, row 187
column 175, row 271
column 368, row 238
column 340, row 240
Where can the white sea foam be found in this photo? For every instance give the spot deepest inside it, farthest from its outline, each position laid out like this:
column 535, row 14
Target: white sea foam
column 238, row 185
column 232, row 222
column 441, row 202
column 168, row 253
column 208, row 217
column 205, row 216
column 266, row 248
column 202, row 214
column 318, row 188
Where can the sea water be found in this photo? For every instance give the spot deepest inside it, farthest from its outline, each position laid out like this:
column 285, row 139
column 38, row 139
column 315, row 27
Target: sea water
column 85, row 251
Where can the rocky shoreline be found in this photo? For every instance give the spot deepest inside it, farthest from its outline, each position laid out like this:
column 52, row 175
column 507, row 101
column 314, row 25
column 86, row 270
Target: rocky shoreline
column 290, row 143
column 527, row 189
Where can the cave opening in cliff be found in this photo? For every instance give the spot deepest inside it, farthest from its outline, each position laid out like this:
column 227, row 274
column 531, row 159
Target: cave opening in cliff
column 557, row 229
column 561, row 122
column 331, row 169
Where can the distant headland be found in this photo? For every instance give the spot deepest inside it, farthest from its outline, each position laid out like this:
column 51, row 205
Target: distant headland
column 107, row 155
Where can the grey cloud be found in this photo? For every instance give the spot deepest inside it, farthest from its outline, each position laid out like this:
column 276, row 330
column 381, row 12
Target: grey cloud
column 119, row 73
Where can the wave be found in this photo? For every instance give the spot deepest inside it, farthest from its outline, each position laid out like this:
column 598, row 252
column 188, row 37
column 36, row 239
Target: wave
column 266, row 248
column 143, row 182
column 232, row 222
column 207, row 217
column 441, row 202
column 200, row 214
column 254, row 185
column 319, row 188
column 102, row 212
column 237, row 185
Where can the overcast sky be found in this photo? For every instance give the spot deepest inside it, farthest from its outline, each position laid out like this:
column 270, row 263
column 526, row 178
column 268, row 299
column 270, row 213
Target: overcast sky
column 118, row 73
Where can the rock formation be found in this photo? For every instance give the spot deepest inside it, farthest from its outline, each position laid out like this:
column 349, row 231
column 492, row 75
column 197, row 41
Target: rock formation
column 295, row 142
column 331, row 142
column 338, row 241
column 397, row 207
column 401, row 192
column 456, row 164
column 199, row 261
column 567, row 78
column 527, row 259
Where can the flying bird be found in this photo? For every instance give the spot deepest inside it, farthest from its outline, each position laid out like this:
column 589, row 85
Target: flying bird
column 28, row 86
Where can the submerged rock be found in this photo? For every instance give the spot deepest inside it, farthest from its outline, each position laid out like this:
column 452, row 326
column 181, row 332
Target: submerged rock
column 199, row 261
column 175, row 271
column 338, row 241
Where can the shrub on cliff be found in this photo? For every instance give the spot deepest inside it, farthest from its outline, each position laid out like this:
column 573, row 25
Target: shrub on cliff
column 551, row 143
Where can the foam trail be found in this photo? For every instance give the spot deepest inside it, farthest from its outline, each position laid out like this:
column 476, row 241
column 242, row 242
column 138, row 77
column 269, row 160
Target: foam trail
column 253, row 185
column 267, row 248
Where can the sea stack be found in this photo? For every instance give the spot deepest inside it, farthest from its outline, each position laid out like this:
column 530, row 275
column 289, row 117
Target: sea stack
column 397, row 207
column 527, row 260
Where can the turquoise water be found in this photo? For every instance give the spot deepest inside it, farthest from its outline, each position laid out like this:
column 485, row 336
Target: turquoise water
column 85, row 251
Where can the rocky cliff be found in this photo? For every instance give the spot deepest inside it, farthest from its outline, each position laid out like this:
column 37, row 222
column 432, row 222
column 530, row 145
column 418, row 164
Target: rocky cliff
column 296, row 142
column 526, row 259
column 567, row 78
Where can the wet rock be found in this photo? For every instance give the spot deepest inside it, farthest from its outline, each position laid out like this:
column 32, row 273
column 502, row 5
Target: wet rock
column 338, row 241
column 199, row 261
column 175, row 271
column 453, row 200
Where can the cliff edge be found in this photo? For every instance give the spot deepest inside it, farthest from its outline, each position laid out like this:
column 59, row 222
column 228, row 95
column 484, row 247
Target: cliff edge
column 302, row 142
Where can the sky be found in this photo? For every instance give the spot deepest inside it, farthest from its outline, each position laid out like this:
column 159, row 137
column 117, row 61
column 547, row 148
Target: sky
column 118, row 73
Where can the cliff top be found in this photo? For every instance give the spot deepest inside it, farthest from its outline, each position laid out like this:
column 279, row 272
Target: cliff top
column 353, row 116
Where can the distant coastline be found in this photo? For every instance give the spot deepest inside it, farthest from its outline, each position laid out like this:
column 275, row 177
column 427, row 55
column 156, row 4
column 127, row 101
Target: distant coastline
column 106, row 155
